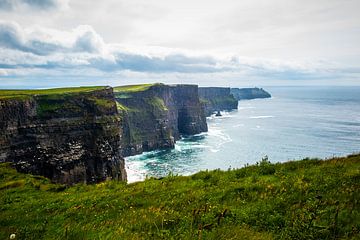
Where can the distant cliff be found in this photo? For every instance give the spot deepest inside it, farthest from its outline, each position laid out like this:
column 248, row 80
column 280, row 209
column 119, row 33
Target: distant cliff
column 68, row 135
column 249, row 93
column 217, row 99
column 155, row 115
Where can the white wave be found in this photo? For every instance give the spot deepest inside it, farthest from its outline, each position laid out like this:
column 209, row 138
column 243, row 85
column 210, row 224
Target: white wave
column 221, row 139
column 259, row 117
column 135, row 171
column 248, row 107
column 214, row 150
column 224, row 114
column 177, row 147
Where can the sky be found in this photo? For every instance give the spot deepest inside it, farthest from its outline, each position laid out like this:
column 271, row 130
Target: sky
column 54, row 43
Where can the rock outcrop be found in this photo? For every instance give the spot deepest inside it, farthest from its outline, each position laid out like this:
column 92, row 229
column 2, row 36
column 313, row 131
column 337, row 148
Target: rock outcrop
column 67, row 135
column 154, row 116
column 249, row 93
column 217, row 99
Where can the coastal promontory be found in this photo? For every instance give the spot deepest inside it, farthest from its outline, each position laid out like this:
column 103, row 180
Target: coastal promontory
column 217, row 99
column 249, row 93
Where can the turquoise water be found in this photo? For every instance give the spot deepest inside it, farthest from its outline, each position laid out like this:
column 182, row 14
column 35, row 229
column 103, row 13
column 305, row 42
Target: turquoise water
column 297, row 122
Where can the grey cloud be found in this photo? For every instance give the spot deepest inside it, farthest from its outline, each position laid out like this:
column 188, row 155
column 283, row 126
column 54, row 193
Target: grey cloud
column 87, row 41
column 170, row 63
column 6, row 4
column 36, row 4
column 12, row 36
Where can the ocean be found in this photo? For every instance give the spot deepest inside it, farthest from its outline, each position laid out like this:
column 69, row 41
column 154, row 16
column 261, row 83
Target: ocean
column 297, row 122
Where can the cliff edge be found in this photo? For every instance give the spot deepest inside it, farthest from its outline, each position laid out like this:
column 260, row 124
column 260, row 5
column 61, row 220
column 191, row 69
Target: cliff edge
column 217, row 99
column 69, row 135
column 249, row 93
column 155, row 115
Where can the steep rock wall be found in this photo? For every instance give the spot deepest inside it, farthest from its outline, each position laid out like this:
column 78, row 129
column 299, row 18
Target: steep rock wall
column 69, row 137
column 249, row 93
column 217, row 99
column 156, row 116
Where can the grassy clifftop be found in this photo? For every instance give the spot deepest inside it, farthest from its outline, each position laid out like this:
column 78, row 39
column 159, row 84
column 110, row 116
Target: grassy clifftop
column 9, row 94
column 58, row 101
column 134, row 88
column 308, row 199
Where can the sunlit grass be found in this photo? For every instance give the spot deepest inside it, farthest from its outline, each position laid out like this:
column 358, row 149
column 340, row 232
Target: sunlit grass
column 134, row 88
column 5, row 94
column 308, row 199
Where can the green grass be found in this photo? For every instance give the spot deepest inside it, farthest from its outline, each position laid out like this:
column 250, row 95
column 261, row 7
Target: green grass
column 308, row 199
column 23, row 94
column 121, row 107
column 157, row 103
column 134, row 88
column 106, row 103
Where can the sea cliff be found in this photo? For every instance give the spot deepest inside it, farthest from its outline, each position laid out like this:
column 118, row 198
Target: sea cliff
column 217, row 99
column 155, row 115
column 74, row 135
column 68, row 135
column 249, row 93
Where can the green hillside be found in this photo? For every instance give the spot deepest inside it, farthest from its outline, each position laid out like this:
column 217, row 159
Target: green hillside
column 308, row 199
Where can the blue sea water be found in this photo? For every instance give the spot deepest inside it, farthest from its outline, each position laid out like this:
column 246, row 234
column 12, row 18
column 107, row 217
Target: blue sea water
column 297, row 122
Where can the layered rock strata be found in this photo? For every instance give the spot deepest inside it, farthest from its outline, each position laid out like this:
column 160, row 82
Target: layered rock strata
column 249, row 93
column 217, row 99
column 69, row 136
column 154, row 116
column 81, row 134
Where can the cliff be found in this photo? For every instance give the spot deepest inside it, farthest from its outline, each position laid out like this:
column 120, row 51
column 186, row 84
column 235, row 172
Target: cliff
column 68, row 135
column 249, row 93
column 76, row 135
column 155, row 115
column 217, row 99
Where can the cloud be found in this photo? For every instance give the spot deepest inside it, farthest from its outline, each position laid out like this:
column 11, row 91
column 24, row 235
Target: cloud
column 82, row 39
column 84, row 47
column 83, row 53
column 13, row 5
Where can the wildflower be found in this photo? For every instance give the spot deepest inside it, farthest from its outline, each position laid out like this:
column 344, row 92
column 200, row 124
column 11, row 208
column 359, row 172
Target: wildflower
column 12, row 236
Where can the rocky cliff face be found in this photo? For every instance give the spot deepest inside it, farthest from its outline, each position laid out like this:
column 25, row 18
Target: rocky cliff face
column 69, row 137
column 249, row 93
column 80, row 135
column 217, row 99
column 154, row 117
